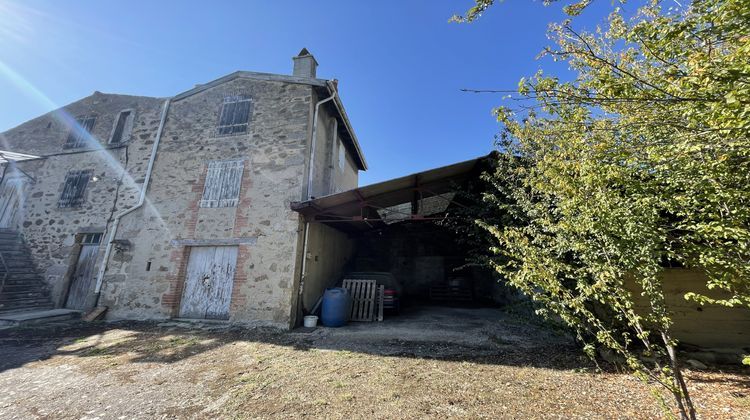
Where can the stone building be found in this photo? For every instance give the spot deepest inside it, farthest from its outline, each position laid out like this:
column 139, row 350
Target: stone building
column 219, row 164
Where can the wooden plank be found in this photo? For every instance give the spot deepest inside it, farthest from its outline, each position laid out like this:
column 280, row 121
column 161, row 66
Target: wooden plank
column 222, row 184
column 95, row 314
column 363, row 301
column 356, row 290
column 222, row 271
column 83, row 278
column 371, row 295
column 11, row 195
column 360, row 296
column 197, row 282
column 370, row 301
column 208, row 282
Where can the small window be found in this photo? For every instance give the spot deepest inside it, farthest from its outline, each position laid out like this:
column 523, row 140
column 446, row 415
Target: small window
column 75, row 185
column 80, row 132
column 235, row 115
column 222, row 188
column 123, row 125
column 91, row 238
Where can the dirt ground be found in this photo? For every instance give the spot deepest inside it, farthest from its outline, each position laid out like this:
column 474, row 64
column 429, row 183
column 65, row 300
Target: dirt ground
column 430, row 362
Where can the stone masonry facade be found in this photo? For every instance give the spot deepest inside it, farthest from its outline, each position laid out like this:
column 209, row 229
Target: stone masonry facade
column 145, row 273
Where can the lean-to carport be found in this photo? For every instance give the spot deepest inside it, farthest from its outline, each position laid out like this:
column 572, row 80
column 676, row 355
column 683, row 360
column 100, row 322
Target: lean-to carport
column 392, row 226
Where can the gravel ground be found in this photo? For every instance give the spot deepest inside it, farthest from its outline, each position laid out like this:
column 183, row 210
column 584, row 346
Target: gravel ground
column 429, row 363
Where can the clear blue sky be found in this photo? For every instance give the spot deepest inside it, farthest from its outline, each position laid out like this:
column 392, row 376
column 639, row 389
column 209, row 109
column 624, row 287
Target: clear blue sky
column 401, row 65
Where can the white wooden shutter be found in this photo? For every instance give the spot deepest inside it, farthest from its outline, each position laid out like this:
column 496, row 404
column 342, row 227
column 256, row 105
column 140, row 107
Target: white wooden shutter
column 223, row 179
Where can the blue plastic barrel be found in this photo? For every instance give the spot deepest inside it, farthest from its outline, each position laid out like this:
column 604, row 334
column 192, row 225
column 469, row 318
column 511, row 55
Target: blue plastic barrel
column 335, row 310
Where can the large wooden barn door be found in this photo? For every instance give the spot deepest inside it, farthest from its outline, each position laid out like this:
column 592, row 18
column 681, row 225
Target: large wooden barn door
column 82, row 283
column 208, row 283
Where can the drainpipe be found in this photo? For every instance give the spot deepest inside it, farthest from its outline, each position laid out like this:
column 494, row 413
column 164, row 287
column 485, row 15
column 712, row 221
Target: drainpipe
column 141, row 200
column 314, row 140
column 304, row 263
column 303, row 271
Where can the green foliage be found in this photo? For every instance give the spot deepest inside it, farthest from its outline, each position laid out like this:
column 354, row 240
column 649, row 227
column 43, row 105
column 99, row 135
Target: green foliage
column 481, row 6
column 641, row 161
column 475, row 12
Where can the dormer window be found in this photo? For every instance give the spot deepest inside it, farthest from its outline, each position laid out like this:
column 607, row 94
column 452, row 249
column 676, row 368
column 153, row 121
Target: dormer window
column 123, row 126
column 80, row 132
column 235, row 115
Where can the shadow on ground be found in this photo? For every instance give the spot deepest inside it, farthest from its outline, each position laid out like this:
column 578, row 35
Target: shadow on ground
column 481, row 335
column 478, row 335
column 428, row 362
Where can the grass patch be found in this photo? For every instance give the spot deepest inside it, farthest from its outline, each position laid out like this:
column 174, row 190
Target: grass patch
column 96, row 351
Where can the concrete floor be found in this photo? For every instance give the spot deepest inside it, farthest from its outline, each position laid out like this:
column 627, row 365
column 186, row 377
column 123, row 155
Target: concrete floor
column 440, row 332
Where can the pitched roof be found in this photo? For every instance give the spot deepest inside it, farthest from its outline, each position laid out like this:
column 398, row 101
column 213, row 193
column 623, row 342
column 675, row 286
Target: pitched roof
column 325, row 86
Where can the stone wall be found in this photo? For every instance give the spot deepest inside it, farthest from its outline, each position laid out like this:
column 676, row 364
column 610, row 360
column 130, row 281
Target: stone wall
column 328, row 176
column 50, row 231
column 274, row 150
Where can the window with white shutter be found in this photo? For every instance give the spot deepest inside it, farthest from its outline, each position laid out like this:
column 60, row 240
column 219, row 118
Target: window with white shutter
column 235, row 115
column 75, row 186
column 80, row 132
column 222, row 187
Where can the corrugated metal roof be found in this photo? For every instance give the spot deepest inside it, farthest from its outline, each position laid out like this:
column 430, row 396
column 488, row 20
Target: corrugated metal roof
column 384, row 201
column 6, row 156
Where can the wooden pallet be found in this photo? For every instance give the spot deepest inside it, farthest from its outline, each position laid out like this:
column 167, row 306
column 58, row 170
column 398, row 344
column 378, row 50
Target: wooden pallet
column 364, row 294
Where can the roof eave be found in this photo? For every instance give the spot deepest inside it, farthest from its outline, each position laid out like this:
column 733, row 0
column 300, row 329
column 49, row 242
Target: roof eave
column 361, row 162
column 320, row 83
column 271, row 77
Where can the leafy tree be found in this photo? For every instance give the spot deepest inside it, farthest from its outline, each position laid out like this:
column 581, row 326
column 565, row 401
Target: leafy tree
column 642, row 159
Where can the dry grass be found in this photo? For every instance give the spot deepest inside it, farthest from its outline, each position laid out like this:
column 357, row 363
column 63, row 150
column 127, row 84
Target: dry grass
column 146, row 371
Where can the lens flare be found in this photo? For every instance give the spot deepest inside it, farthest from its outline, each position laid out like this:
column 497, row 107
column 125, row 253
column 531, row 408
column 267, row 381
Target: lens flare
column 66, row 120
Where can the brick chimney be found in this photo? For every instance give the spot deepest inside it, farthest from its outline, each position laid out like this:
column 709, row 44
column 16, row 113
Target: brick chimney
column 305, row 65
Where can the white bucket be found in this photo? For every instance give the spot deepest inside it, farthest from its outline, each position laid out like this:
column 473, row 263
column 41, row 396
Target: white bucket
column 311, row 321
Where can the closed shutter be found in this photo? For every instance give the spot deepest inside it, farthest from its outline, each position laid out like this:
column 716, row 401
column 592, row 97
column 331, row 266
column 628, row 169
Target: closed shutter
column 223, row 180
column 75, row 186
column 235, row 115
column 80, row 132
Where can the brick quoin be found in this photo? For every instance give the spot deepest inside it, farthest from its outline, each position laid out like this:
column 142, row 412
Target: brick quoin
column 179, row 257
column 171, row 299
column 239, row 299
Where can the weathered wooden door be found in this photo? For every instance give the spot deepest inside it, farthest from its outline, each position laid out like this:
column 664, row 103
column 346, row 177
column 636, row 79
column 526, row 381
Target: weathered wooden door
column 11, row 201
column 82, row 283
column 208, row 283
